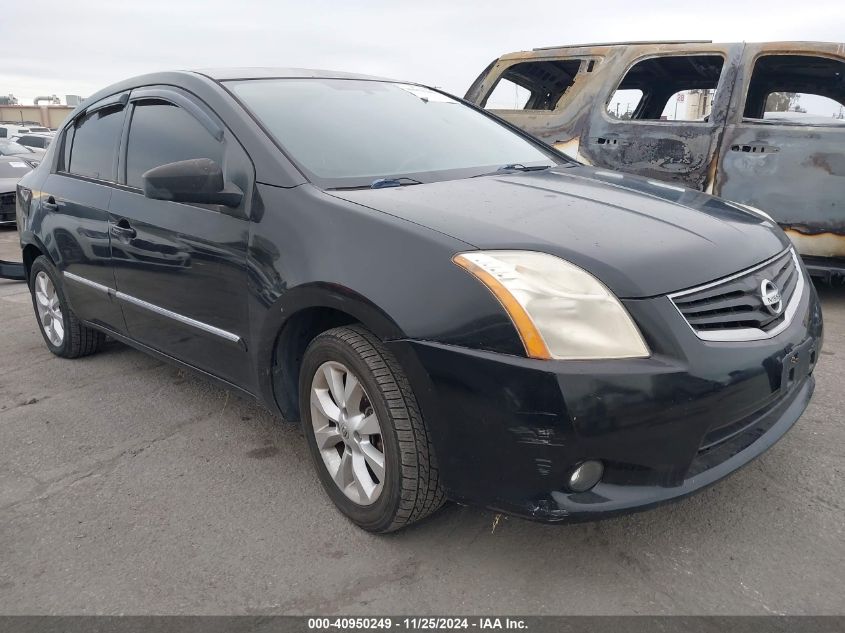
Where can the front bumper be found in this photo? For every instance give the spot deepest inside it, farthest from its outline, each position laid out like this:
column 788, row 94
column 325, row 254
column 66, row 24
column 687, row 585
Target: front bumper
column 508, row 431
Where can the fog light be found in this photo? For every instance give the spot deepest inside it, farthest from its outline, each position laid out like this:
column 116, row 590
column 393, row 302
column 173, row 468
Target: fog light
column 585, row 476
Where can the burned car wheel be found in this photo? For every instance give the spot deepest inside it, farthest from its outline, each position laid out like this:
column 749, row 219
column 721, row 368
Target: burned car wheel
column 63, row 333
column 367, row 437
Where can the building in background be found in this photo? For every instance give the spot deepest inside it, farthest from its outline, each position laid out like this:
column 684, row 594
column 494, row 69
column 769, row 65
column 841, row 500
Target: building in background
column 47, row 111
column 699, row 103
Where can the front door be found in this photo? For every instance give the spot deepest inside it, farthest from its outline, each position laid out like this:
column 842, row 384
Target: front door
column 783, row 148
column 180, row 268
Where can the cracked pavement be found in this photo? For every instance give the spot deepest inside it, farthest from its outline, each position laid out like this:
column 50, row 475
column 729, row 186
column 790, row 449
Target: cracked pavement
column 129, row 486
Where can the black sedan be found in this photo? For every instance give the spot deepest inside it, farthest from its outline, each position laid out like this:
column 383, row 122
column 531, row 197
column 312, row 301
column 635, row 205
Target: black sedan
column 451, row 308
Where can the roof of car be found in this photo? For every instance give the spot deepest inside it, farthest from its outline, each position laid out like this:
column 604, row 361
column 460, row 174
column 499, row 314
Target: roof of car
column 666, row 46
column 226, row 74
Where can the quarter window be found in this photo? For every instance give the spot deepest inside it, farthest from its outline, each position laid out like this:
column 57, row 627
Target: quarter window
column 533, row 85
column 797, row 90
column 668, row 88
column 95, row 140
column 163, row 133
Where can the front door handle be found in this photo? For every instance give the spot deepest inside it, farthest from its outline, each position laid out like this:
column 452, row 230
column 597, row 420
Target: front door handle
column 123, row 229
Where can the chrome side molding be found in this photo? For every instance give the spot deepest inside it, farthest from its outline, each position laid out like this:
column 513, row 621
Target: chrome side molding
column 122, row 296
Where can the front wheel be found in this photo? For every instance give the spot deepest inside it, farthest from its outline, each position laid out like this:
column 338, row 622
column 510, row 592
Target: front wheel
column 367, row 438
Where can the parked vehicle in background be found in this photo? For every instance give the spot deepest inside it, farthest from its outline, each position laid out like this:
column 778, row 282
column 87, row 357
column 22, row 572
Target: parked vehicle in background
column 12, row 169
column 759, row 124
column 10, row 129
column 31, row 155
column 37, row 140
column 450, row 307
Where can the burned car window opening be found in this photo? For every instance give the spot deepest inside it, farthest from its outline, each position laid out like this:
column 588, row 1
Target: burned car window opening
column 797, row 89
column 533, row 85
column 671, row 87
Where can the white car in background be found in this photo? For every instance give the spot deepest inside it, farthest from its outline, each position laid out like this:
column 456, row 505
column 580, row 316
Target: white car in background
column 12, row 169
column 32, row 156
column 9, row 129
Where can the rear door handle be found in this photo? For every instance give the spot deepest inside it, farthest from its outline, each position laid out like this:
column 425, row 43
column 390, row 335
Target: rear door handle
column 123, row 229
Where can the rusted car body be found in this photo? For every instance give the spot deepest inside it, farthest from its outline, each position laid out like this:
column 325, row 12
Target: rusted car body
column 790, row 165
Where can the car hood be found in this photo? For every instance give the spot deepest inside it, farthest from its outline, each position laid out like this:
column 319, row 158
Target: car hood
column 641, row 237
column 8, row 185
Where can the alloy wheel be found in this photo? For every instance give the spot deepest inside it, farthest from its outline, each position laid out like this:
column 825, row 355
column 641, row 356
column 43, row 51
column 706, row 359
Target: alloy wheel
column 49, row 309
column 348, row 432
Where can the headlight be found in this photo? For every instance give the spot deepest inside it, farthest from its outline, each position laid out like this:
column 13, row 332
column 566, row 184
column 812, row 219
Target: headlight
column 560, row 310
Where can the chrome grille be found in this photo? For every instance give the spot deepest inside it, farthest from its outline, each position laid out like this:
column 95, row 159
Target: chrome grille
column 733, row 308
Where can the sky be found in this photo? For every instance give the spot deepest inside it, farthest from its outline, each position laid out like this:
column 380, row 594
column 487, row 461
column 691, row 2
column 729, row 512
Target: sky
column 79, row 46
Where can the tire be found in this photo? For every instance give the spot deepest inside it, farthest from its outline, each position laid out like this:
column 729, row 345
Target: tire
column 410, row 487
column 76, row 339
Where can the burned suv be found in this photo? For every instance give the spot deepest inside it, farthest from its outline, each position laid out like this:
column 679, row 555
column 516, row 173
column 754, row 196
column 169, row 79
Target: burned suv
column 758, row 124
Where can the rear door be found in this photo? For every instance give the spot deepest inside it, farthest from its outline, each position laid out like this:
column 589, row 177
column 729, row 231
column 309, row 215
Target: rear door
column 662, row 117
column 181, row 268
column 783, row 148
column 77, row 195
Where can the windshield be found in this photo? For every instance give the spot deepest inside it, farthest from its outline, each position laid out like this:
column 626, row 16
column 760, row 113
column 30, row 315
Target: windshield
column 10, row 147
column 349, row 132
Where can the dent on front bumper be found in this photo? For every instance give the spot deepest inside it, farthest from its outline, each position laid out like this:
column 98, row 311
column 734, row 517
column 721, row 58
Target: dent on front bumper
column 507, row 430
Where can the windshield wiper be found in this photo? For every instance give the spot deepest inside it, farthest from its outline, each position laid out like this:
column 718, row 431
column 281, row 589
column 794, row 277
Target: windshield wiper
column 383, row 183
column 515, row 167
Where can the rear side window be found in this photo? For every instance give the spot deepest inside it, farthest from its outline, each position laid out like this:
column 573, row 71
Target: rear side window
column 533, row 85
column 95, row 140
column 668, row 88
column 797, row 90
column 162, row 133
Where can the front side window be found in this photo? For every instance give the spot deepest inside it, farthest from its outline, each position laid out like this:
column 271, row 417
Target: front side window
column 95, row 140
column 162, row 133
column 668, row 88
column 349, row 132
column 536, row 85
column 797, row 90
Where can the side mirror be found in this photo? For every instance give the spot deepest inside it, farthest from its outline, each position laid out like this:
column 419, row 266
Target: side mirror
column 197, row 180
